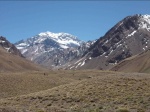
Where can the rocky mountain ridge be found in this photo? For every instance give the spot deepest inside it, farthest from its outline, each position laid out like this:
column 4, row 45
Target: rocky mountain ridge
column 127, row 38
column 9, row 47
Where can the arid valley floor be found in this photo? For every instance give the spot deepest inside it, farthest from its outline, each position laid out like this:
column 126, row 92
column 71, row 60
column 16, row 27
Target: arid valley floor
column 74, row 91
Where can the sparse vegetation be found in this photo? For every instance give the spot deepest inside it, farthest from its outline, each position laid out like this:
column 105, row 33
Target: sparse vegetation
column 104, row 91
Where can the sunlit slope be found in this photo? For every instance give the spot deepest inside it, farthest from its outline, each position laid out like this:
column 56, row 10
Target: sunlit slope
column 11, row 62
column 138, row 63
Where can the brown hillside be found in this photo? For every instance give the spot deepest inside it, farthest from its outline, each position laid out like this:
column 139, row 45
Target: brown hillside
column 11, row 62
column 138, row 63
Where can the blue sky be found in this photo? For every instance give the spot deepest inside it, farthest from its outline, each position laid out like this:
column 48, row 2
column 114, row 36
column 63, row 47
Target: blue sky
column 88, row 20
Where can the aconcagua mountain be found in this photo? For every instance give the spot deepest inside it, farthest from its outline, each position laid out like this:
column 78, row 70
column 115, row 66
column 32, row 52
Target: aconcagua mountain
column 52, row 49
column 127, row 38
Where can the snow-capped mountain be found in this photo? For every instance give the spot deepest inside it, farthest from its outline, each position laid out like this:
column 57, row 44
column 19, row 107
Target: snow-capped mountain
column 57, row 40
column 127, row 38
column 52, row 49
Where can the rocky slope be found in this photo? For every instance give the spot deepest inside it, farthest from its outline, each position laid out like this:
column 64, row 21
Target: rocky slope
column 52, row 50
column 9, row 47
column 127, row 38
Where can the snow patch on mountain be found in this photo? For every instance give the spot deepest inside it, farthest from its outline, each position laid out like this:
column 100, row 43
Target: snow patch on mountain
column 2, row 41
column 83, row 63
column 7, row 48
column 145, row 22
column 131, row 34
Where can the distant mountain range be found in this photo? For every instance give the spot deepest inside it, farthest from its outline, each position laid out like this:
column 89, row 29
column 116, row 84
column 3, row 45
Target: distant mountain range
column 127, row 38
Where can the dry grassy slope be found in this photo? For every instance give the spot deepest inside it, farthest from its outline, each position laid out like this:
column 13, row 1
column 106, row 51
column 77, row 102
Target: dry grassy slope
column 10, row 62
column 138, row 63
column 103, row 93
column 14, row 84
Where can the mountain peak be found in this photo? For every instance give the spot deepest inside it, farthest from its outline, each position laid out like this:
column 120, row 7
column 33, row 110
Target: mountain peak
column 146, row 16
column 56, row 35
column 50, row 34
column 144, row 22
column 51, row 49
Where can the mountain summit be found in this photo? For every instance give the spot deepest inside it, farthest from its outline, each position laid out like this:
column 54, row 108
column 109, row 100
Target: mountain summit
column 127, row 38
column 51, row 49
column 57, row 40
